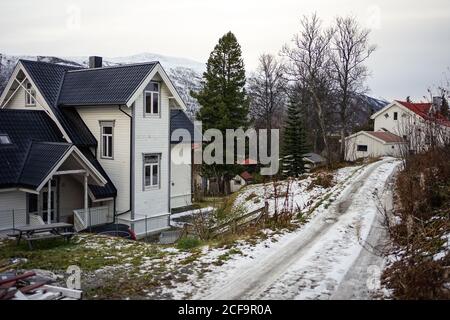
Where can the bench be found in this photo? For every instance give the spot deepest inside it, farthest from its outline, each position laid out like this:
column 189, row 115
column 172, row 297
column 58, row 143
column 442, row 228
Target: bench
column 13, row 234
column 34, row 237
column 66, row 235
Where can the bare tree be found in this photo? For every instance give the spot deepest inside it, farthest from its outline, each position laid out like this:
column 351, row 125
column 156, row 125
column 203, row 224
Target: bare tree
column 267, row 91
column 351, row 49
column 310, row 63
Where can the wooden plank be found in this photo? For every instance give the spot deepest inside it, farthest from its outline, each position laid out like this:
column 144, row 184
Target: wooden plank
column 9, row 295
column 41, row 237
column 45, row 227
column 69, row 293
column 14, row 279
column 32, row 287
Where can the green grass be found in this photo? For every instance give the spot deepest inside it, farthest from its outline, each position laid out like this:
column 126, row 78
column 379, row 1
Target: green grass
column 89, row 252
column 188, row 243
column 226, row 256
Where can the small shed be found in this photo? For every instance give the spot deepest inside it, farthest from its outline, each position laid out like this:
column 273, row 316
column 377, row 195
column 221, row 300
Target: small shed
column 240, row 181
column 313, row 160
column 365, row 144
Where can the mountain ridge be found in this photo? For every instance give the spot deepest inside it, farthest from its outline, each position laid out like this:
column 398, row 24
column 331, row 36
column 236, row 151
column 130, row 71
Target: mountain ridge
column 186, row 74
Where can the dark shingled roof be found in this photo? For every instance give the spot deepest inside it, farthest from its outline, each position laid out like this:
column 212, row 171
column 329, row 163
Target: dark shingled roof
column 314, row 157
column 109, row 190
column 40, row 161
column 23, row 127
column 49, row 77
column 179, row 120
column 36, row 147
column 112, row 85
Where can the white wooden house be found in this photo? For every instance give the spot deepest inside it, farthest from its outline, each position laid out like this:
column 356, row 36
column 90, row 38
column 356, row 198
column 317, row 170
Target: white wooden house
column 116, row 124
column 399, row 127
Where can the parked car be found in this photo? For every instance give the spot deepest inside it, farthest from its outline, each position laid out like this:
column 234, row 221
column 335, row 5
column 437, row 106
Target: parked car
column 114, row 230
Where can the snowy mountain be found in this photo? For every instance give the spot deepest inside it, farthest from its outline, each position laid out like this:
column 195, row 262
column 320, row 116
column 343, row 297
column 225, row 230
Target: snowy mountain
column 185, row 74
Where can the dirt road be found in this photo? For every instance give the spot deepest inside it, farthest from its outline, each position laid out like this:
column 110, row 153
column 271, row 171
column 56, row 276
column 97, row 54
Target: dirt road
column 332, row 258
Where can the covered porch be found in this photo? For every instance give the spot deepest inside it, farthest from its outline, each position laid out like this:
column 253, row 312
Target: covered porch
column 62, row 193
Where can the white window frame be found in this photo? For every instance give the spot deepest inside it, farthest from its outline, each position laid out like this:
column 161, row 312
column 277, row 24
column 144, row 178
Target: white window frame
column 362, row 145
column 151, row 93
column 107, row 148
column 151, row 186
column 30, row 95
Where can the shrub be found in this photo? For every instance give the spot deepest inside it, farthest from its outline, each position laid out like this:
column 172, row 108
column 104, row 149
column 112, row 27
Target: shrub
column 187, row 243
column 323, row 179
column 422, row 224
column 250, row 196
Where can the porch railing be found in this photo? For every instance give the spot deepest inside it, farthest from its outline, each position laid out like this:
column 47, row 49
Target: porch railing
column 92, row 217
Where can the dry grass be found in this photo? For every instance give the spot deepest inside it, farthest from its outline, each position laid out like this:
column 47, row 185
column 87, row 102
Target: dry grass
column 423, row 211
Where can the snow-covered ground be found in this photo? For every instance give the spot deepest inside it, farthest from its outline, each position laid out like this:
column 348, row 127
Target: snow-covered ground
column 310, row 262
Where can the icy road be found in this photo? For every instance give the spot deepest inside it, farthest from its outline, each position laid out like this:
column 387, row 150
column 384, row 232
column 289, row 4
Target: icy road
column 335, row 256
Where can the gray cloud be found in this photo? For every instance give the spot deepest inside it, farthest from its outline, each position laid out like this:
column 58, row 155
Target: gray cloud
column 412, row 36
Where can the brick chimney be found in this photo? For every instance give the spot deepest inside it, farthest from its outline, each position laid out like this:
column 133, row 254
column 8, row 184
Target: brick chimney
column 95, row 62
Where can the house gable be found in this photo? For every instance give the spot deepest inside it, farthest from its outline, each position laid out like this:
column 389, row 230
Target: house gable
column 157, row 71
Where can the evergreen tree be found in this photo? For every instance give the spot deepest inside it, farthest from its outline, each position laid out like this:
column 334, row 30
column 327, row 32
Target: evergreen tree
column 223, row 99
column 444, row 107
column 295, row 145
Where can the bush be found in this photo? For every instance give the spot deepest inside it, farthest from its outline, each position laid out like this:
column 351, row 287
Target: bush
column 323, row 179
column 187, row 243
column 421, row 227
column 251, row 196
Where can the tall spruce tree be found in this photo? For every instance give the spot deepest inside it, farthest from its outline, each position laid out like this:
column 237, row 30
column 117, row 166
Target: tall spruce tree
column 295, row 145
column 223, row 99
column 444, row 108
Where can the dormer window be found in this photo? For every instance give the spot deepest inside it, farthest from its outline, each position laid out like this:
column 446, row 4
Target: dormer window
column 30, row 96
column 151, row 99
column 395, row 115
column 4, row 139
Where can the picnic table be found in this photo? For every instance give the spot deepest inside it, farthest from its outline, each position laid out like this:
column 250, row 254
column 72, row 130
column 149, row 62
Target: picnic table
column 32, row 233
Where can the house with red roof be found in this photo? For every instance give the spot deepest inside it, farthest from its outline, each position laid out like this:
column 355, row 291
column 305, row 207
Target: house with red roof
column 401, row 126
column 240, row 181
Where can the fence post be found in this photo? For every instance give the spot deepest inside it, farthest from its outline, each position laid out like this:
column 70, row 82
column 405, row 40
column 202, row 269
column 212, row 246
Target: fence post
column 266, row 211
column 90, row 222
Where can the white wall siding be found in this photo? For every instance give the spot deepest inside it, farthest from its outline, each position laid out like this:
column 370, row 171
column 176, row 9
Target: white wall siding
column 181, row 175
column 385, row 121
column 237, row 183
column 151, row 137
column 9, row 201
column 118, row 168
column 375, row 148
column 18, row 101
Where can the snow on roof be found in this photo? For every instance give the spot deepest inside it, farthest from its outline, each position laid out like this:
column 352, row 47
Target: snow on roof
column 314, row 157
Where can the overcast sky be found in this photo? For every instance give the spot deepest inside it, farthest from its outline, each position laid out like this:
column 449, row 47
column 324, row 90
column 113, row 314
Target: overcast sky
column 413, row 37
